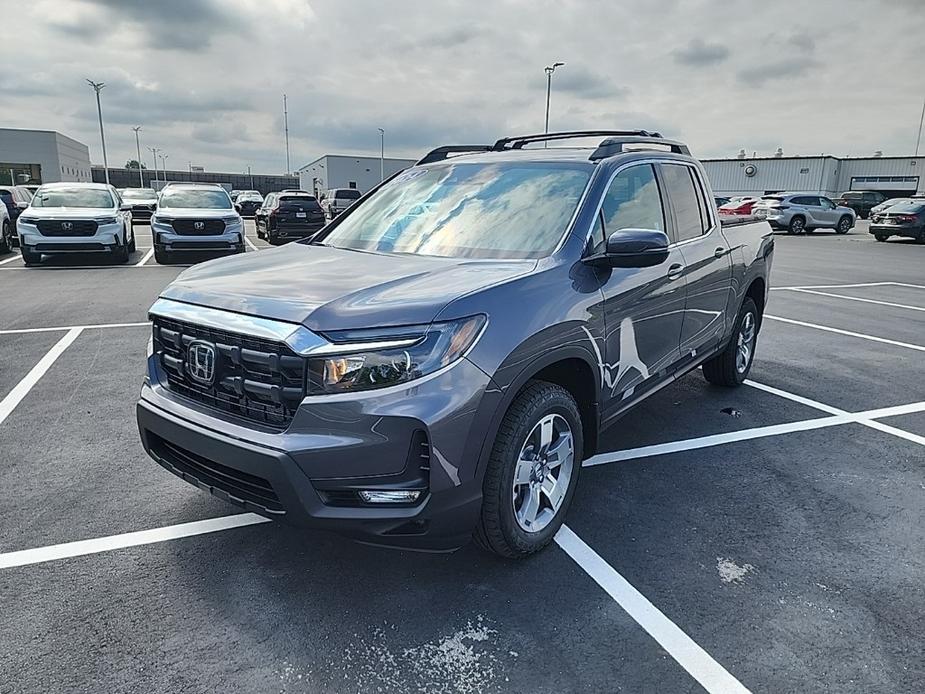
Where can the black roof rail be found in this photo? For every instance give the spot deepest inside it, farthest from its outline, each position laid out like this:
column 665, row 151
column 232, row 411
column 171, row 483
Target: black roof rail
column 615, row 145
column 519, row 141
column 444, row 152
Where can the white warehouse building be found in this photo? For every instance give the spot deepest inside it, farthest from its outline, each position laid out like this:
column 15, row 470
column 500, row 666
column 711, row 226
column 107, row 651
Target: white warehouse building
column 824, row 174
column 42, row 156
column 347, row 171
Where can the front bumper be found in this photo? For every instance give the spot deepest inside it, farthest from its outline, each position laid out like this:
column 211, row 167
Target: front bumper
column 107, row 238
column 308, row 475
column 230, row 241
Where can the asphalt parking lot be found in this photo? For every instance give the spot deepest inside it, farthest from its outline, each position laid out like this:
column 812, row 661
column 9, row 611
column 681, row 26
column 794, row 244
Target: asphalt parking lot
column 769, row 538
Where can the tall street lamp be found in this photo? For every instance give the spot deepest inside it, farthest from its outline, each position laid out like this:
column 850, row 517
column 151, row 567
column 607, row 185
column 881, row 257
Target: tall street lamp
column 97, row 86
column 154, row 152
column 381, row 155
column 918, row 140
column 549, row 70
column 164, row 165
column 141, row 178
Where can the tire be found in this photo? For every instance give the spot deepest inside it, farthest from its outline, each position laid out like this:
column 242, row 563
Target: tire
column 500, row 529
column 844, row 225
column 30, row 258
column 131, row 244
column 271, row 239
column 161, row 256
column 257, row 227
column 120, row 252
column 797, row 225
column 881, row 237
column 6, row 238
column 726, row 369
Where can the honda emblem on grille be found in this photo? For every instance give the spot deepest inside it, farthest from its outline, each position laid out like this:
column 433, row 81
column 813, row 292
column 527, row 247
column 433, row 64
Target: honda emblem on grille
column 200, row 362
column 199, row 226
column 67, row 226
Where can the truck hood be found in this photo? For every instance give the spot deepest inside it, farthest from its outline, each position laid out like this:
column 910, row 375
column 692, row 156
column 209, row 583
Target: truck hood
column 70, row 212
column 326, row 288
column 194, row 213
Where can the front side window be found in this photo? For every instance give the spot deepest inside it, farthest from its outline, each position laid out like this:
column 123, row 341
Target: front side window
column 468, row 210
column 73, row 197
column 684, row 201
column 195, row 199
column 633, row 201
column 827, row 204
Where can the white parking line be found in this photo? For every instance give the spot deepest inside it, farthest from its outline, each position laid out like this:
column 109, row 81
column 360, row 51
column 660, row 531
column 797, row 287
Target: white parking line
column 142, row 537
column 251, row 244
column 856, row 298
column 851, row 286
column 21, row 389
column 22, row 331
column 10, row 260
column 695, row 660
column 145, row 258
column 839, row 331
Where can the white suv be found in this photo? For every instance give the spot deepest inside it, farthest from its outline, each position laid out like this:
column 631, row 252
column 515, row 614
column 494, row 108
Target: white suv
column 800, row 213
column 195, row 217
column 75, row 218
column 337, row 200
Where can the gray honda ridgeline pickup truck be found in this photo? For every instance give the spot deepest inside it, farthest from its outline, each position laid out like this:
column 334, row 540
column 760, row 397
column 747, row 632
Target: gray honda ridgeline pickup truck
column 436, row 364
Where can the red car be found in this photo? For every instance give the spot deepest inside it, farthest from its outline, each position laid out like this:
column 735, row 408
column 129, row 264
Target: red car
column 741, row 205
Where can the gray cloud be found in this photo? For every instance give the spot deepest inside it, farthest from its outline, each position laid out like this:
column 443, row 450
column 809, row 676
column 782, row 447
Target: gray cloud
column 584, row 83
column 698, row 53
column 784, row 68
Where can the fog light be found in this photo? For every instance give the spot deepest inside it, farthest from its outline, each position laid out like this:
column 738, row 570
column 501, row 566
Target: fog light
column 391, row 497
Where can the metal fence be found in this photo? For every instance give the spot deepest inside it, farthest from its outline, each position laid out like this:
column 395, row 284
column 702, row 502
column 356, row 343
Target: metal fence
column 128, row 178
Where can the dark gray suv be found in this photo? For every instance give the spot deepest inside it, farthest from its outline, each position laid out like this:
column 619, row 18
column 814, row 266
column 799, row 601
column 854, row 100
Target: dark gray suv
column 437, row 364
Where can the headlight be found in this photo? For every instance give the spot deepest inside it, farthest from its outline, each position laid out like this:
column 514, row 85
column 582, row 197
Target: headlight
column 404, row 356
column 232, row 220
column 28, row 220
column 107, row 220
column 163, row 221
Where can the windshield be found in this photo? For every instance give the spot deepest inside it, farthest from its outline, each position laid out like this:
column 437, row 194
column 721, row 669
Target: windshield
column 145, row 193
column 504, row 210
column 73, row 197
column 195, row 199
column 254, row 197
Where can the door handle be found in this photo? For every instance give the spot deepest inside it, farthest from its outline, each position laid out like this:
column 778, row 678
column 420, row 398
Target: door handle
column 720, row 252
column 675, row 271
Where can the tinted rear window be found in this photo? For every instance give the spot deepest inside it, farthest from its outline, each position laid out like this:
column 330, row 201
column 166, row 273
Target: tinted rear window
column 347, row 194
column 301, row 202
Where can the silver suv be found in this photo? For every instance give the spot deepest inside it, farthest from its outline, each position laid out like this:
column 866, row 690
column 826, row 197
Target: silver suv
column 195, row 217
column 337, row 200
column 800, row 213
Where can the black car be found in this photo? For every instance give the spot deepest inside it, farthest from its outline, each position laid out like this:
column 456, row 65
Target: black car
column 248, row 203
column 16, row 199
column 289, row 216
column 861, row 201
column 905, row 219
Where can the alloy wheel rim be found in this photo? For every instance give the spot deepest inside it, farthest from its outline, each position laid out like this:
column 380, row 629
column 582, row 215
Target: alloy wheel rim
column 745, row 344
column 542, row 473
column 798, row 225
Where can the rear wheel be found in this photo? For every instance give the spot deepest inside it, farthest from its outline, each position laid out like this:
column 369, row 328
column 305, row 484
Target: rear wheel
column 532, row 472
column 6, row 237
column 881, row 237
column 844, row 225
column 731, row 366
column 797, row 226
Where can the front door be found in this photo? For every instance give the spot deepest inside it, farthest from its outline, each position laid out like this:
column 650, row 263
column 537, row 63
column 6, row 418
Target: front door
column 643, row 307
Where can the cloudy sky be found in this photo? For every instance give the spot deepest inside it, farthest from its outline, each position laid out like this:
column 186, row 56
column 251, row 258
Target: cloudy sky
column 205, row 78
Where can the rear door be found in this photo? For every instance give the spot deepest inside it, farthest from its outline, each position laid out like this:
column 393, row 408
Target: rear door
column 707, row 263
column 643, row 307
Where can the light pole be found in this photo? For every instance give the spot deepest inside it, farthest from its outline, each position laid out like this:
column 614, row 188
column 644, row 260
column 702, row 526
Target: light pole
column 141, row 178
column 154, row 152
column 549, row 70
column 918, row 140
column 164, row 165
column 250, row 176
column 97, row 86
column 286, row 125
column 381, row 155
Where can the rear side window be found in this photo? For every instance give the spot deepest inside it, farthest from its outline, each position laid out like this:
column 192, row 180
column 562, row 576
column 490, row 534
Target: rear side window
column 633, row 201
column 806, row 200
column 684, row 201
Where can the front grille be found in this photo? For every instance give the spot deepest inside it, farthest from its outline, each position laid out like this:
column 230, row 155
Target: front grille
column 56, row 227
column 259, row 380
column 187, row 227
column 241, row 487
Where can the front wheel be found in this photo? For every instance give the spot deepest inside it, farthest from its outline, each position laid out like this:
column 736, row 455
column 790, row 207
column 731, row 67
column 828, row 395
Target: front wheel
column 881, row 237
column 131, row 244
column 532, row 472
column 797, row 226
column 30, row 258
column 6, row 238
column 731, row 366
column 161, row 256
column 844, row 225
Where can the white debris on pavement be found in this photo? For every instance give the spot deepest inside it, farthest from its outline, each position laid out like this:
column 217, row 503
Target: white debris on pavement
column 730, row 572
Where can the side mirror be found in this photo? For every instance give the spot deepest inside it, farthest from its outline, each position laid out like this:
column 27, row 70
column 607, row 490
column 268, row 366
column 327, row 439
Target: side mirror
column 633, row 248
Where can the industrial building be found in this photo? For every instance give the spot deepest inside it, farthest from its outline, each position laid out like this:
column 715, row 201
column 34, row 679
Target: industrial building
column 824, row 174
column 348, row 171
column 41, row 156
column 128, row 178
